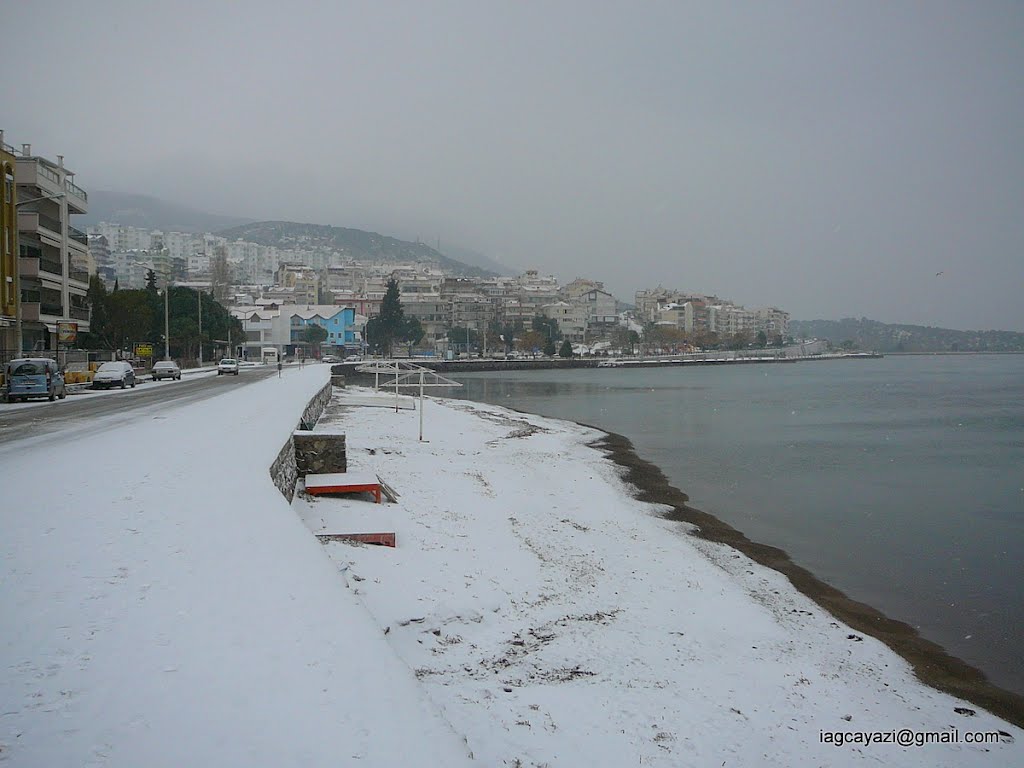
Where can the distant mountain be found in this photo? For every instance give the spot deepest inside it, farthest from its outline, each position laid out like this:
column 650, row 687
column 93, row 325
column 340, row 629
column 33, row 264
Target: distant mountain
column 883, row 337
column 476, row 259
column 354, row 243
column 152, row 213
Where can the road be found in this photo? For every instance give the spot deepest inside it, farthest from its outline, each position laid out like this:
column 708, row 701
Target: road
column 87, row 411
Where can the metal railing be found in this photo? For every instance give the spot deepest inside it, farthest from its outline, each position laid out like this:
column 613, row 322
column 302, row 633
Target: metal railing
column 78, row 235
column 79, row 313
column 47, row 173
column 74, row 189
column 53, row 267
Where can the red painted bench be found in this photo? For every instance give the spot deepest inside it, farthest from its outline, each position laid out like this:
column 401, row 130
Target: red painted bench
column 342, row 482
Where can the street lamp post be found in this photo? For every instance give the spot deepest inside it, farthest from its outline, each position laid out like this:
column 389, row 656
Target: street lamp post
column 200, row 293
column 167, row 322
column 19, row 341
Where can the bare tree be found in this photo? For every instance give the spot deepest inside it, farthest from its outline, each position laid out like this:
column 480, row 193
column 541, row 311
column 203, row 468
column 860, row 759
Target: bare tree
column 220, row 274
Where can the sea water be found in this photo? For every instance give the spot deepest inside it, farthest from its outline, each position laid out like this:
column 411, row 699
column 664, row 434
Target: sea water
column 899, row 480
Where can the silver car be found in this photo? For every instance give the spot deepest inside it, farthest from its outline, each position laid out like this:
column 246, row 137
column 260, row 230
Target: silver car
column 227, row 365
column 116, row 373
column 166, row 369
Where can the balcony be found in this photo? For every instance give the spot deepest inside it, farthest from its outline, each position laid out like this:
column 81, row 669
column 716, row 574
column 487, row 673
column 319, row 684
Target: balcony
column 32, row 221
column 78, row 236
column 74, row 190
column 79, row 313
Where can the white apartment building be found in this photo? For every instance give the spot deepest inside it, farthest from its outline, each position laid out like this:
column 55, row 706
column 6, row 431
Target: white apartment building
column 571, row 319
column 52, row 253
column 772, row 320
column 728, row 319
column 121, row 237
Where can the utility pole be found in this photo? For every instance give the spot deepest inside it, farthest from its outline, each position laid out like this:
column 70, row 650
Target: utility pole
column 167, row 321
column 200, row 293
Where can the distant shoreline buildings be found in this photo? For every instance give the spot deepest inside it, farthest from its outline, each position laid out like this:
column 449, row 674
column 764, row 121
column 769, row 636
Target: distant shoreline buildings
column 46, row 264
column 275, row 290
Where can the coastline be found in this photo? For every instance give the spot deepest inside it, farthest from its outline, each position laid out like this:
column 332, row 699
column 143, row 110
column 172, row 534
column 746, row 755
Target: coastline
column 555, row 617
column 931, row 663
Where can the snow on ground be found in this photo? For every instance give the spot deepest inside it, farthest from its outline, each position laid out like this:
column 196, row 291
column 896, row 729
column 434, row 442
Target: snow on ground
column 557, row 621
column 164, row 606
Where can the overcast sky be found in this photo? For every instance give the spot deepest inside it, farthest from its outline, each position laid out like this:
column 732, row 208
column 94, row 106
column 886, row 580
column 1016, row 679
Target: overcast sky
column 827, row 158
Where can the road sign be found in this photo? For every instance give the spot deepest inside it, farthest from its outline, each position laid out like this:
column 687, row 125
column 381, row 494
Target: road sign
column 144, row 350
column 67, row 333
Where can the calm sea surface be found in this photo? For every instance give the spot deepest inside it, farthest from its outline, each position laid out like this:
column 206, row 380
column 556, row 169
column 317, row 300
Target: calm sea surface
column 899, row 481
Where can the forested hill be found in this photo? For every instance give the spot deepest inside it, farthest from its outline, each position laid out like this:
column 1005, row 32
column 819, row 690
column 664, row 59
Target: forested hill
column 883, row 337
column 353, row 243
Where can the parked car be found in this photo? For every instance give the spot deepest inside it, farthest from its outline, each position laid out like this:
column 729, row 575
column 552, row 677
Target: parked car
column 330, row 359
column 227, row 365
column 27, row 377
column 166, row 369
column 112, row 374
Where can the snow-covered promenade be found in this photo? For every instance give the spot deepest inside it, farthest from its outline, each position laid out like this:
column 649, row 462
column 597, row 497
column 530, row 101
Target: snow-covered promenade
column 558, row 621
column 163, row 605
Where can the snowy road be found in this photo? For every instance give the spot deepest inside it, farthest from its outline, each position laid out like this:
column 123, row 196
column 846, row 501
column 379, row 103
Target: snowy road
column 84, row 409
column 163, row 606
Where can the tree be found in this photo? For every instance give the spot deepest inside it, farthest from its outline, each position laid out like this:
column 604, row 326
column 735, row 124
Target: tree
column 531, row 341
column 98, row 298
column 314, row 335
column 547, row 326
column 391, row 325
column 566, row 349
column 466, row 336
column 220, row 274
column 762, row 339
column 151, row 281
column 549, row 347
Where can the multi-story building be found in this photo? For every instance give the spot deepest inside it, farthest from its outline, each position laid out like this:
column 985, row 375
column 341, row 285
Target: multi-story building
column 729, row 319
column 571, row 319
column 772, row 320
column 301, row 279
column 432, row 312
column 8, row 251
column 51, row 251
column 599, row 308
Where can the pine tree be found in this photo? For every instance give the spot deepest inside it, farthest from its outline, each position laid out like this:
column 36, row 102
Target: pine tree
column 390, row 325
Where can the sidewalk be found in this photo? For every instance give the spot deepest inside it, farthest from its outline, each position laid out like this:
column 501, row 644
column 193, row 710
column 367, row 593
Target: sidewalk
column 167, row 607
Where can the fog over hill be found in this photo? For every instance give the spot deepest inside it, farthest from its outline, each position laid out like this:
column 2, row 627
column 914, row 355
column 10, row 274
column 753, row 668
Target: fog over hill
column 148, row 212
column 354, row 243
column 891, row 337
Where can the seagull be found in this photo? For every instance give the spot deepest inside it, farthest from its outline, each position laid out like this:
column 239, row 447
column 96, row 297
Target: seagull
column 938, row 273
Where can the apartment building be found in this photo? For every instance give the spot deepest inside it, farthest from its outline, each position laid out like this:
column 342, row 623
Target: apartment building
column 52, row 254
column 772, row 320
column 8, row 250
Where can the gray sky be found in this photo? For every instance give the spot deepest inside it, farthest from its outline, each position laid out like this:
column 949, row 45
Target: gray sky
column 828, row 158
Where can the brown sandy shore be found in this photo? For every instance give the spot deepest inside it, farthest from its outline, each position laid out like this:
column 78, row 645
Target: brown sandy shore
column 931, row 663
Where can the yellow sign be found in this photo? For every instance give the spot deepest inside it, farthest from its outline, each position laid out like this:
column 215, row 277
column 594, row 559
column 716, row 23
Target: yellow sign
column 67, row 333
column 144, row 350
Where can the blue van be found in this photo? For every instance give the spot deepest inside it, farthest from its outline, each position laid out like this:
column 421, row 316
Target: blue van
column 33, row 377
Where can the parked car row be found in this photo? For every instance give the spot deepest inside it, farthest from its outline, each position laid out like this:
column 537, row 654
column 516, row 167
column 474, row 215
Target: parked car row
column 42, row 377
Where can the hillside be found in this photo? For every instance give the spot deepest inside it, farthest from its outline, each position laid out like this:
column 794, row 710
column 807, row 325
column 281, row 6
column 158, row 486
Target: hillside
column 152, row 213
column 354, row 243
column 883, row 337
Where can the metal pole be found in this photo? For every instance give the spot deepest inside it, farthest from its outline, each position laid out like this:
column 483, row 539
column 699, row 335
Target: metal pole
column 200, row 294
column 167, row 322
column 396, row 387
column 421, row 406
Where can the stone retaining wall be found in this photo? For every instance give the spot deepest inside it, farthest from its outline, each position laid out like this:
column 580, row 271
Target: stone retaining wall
column 284, row 471
column 319, row 452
